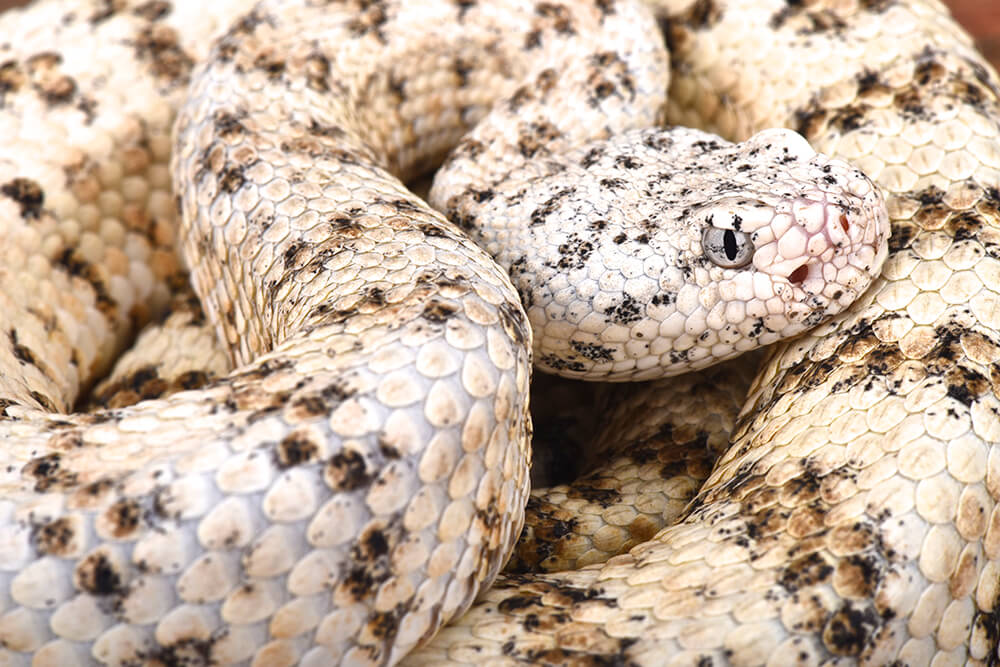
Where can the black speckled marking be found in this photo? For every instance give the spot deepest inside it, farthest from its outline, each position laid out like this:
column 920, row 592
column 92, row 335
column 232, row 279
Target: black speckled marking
column 677, row 29
column 852, row 629
column 153, row 10
column 627, row 311
column 347, row 470
column 371, row 21
column 159, row 47
column 593, row 351
column 549, row 206
column 28, row 195
column 181, row 653
column 54, row 537
column 96, row 574
column 296, row 448
column 438, row 311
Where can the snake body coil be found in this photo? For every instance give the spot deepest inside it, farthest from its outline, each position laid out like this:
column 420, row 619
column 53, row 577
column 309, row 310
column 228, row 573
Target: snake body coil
column 358, row 478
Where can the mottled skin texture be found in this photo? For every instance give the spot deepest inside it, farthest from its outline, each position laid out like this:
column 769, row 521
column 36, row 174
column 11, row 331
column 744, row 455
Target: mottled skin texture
column 618, row 248
column 855, row 519
column 852, row 521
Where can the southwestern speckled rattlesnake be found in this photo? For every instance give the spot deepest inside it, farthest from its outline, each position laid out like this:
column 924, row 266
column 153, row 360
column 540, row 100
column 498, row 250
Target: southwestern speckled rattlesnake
column 815, row 537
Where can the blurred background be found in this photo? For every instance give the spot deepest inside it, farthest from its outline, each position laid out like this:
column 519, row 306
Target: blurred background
column 980, row 17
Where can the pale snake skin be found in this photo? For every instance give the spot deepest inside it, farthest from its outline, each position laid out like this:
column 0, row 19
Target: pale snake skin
column 571, row 631
column 854, row 519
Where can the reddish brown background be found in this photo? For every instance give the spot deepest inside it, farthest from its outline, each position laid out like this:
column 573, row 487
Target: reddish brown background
column 980, row 17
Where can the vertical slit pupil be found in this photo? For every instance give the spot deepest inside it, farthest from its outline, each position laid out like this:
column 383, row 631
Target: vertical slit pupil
column 729, row 244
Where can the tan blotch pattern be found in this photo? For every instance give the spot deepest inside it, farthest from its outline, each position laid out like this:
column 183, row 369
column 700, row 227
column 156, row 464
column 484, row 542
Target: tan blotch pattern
column 854, row 520
column 359, row 477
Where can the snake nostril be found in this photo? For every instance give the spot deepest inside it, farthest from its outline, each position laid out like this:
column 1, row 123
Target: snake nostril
column 798, row 275
column 844, row 222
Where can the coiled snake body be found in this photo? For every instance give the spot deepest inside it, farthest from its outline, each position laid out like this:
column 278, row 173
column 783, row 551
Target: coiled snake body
column 342, row 494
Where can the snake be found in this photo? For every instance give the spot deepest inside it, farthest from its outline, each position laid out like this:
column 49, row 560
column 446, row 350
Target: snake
column 305, row 502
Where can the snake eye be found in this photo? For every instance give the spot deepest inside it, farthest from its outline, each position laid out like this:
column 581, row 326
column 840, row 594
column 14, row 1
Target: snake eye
column 727, row 248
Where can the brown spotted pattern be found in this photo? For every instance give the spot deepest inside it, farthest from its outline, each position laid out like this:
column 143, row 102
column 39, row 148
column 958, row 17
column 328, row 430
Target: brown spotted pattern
column 812, row 542
column 854, row 518
column 361, row 472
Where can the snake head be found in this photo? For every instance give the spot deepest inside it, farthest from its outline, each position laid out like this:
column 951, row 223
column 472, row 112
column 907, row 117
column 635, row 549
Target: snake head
column 661, row 251
column 797, row 252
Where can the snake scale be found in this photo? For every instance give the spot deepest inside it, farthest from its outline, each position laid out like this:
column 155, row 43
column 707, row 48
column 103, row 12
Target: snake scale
column 258, row 519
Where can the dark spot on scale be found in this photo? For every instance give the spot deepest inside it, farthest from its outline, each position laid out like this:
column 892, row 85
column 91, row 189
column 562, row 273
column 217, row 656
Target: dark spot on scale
column 603, row 497
column 626, row 311
column 560, row 364
column 535, row 137
column 461, row 67
column 228, row 124
column 664, row 298
column 369, row 560
column 55, row 537
column 270, row 64
column 324, row 130
column 627, row 162
column 310, row 405
column 464, row 6
column 438, row 312
column 602, row 90
column 48, row 473
column 876, row 6
column 374, row 544
column 468, row 149
column 809, row 20
column 47, row 80
column 514, row 323
column 557, row 16
column 123, row 516
column 183, row 652
column 481, row 196
column 22, row 353
column 105, row 9
column 317, row 71
column 28, row 194
column 702, row 14
column 593, row 351
column 518, row 602
column 388, row 450
column 966, row 385
column 384, row 625
column 76, row 265
column 592, row 156
column 540, row 214
column 573, row 253
column 370, row 21
column 851, row 629
column 153, row 10
column 12, row 78
column 232, row 178
column 96, row 575
column 295, row 449
column 347, row 470
column 159, row 46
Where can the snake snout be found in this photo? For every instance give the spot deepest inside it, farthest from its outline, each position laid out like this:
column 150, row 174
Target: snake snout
column 834, row 247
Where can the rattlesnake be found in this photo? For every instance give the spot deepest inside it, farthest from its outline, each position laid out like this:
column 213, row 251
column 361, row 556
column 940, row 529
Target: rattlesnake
column 807, row 541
